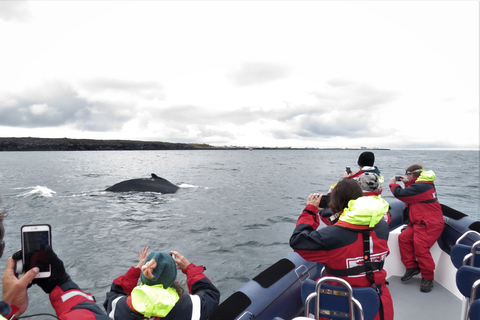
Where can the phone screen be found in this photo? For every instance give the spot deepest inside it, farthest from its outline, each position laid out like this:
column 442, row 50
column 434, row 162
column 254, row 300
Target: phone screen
column 34, row 241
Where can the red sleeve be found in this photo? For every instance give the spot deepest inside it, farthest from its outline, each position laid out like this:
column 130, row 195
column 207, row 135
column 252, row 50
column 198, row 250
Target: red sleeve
column 13, row 309
column 66, row 304
column 194, row 273
column 308, row 218
column 129, row 280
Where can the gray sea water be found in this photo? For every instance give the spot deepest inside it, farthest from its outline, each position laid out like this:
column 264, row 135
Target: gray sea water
column 234, row 211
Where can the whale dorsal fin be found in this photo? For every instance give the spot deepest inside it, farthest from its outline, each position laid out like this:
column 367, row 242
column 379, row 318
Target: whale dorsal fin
column 154, row 176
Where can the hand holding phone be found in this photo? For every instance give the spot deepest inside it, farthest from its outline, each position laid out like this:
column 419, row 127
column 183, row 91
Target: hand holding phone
column 348, row 170
column 35, row 239
column 59, row 275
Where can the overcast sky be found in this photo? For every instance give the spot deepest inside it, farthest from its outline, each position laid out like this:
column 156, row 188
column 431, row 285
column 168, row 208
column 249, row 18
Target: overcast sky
column 349, row 74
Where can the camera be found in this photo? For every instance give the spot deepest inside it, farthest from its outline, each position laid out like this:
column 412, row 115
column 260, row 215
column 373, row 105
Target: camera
column 398, row 178
column 348, row 170
column 324, row 201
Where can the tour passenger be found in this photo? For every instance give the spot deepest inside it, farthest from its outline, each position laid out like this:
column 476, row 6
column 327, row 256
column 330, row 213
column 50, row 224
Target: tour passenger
column 425, row 223
column 340, row 247
column 366, row 162
column 69, row 302
column 158, row 295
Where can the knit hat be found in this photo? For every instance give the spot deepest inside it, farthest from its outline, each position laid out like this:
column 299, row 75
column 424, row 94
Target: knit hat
column 165, row 272
column 366, row 159
column 369, row 182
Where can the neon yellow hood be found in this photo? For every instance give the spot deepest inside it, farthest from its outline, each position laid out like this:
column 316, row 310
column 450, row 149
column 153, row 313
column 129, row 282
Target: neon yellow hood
column 427, row 176
column 154, row 300
column 365, row 211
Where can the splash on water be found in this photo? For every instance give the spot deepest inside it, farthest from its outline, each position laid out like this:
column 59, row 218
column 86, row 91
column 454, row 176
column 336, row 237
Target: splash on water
column 41, row 191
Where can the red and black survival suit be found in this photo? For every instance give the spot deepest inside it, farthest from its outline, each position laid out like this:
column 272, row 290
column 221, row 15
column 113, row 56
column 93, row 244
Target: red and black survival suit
column 340, row 246
column 425, row 225
column 69, row 302
column 198, row 305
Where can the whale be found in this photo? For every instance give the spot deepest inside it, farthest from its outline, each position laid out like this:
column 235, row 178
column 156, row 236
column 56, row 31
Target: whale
column 153, row 184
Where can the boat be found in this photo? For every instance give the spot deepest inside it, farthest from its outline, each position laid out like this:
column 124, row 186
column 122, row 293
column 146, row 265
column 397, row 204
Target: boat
column 275, row 293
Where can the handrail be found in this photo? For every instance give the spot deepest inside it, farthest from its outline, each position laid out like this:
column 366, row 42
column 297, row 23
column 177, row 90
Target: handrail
column 465, row 234
column 351, row 300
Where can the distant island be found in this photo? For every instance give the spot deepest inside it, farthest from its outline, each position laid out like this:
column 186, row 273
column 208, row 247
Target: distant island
column 66, row 144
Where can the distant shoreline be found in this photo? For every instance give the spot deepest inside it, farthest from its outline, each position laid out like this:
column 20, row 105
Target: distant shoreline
column 66, row 144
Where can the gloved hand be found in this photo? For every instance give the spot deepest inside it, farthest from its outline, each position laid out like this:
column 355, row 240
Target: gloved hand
column 59, row 275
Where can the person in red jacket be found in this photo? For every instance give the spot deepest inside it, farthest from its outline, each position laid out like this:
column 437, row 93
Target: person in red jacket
column 159, row 296
column 69, row 302
column 340, row 247
column 425, row 224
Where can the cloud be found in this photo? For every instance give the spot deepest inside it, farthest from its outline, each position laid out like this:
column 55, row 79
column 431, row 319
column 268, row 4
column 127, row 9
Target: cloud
column 58, row 104
column 139, row 89
column 15, row 11
column 252, row 73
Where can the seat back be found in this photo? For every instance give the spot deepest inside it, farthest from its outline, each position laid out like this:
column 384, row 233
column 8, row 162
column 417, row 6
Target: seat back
column 468, row 283
column 461, row 254
column 474, row 312
column 465, row 278
column 339, row 301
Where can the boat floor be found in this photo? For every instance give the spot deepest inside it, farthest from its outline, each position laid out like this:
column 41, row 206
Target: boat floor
column 410, row 303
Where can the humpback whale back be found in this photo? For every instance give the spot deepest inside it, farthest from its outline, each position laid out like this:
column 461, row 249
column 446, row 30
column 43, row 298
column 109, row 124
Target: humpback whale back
column 153, row 184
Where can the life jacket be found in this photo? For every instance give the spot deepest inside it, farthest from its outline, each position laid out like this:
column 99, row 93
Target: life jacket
column 154, row 301
column 362, row 212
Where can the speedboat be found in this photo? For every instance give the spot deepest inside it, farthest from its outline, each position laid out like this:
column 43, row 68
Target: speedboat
column 275, row 293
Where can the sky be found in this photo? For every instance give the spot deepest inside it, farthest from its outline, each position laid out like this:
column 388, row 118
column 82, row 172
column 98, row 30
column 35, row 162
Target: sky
column 301, row 74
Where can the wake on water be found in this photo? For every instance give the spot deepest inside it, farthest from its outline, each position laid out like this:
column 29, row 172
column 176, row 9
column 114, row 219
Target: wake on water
column 44, row 191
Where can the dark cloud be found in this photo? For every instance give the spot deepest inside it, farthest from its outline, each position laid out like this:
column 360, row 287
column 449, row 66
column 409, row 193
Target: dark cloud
column 252, row 73
column 57, row 104
column 15, row 11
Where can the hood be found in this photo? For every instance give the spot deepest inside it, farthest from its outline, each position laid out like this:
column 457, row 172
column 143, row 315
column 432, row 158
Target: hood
column 365, row 211
column 154, row 300
column 427, row 176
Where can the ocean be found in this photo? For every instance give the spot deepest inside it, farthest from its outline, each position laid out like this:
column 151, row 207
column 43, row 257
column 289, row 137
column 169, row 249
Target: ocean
column 234, row 212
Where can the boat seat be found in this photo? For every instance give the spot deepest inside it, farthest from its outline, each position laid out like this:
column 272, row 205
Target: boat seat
column 461, row 254
column 338, row 301
column 474, row 313
column 468, row 282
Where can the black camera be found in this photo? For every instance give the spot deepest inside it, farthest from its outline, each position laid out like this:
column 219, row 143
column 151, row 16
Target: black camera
column 398, row 178
column 348, row 170
column 324, row 201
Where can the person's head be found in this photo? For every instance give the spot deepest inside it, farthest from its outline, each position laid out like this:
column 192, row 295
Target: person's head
column 344, row 191
column 366, row 159
column 159, row 268
column 369, row 182
column 413, row 171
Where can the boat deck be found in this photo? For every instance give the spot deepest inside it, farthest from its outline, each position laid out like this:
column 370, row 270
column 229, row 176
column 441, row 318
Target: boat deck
column 410, row 303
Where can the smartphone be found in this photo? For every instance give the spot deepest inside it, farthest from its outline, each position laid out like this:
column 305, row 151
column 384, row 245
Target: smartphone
column 35, row 238
column 324, row 201
column 397, row 178
column 348, row 170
